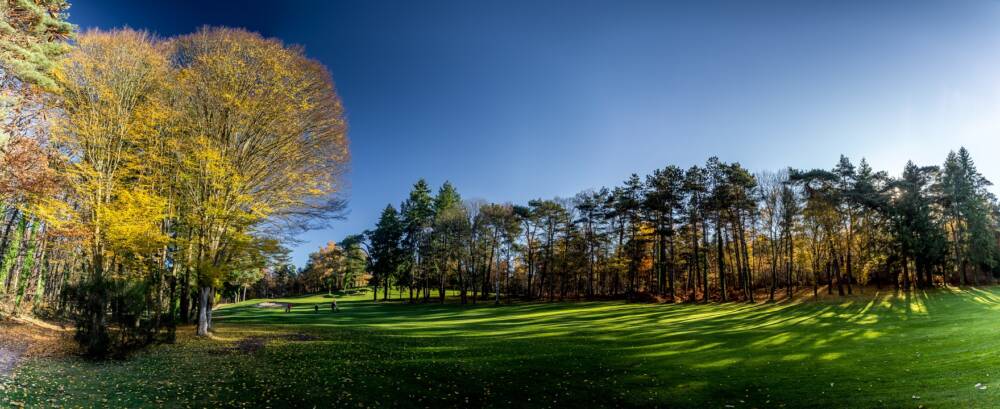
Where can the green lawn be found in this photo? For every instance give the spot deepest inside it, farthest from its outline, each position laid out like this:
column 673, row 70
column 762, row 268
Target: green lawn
column 925, row 349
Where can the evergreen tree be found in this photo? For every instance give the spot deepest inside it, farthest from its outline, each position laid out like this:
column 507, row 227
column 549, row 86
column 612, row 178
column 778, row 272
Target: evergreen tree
column 664, row 198
column 847, row 205
column 695, row 188
column 629, row 205
column 448, row 229
column 386, row 250
column 32, row 37
column 418, row 219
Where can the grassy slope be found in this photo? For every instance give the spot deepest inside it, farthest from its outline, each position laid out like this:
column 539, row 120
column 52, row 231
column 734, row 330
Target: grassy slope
column 907, row 351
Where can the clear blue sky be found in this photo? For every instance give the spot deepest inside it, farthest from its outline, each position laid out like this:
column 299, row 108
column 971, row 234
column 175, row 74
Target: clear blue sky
column 512, row 100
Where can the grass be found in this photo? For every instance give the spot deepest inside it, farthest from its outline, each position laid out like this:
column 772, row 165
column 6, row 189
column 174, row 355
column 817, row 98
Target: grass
column 909, row 350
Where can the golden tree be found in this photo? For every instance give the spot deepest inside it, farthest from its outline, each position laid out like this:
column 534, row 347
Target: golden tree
column 265, row 144
column 113, row 109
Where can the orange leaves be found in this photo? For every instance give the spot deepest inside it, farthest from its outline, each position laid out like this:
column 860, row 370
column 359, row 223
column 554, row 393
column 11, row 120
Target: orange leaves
column 24, row 170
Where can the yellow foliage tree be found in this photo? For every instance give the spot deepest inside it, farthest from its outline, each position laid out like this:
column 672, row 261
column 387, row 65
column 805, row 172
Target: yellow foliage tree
column 266, row 144
column 113, row 107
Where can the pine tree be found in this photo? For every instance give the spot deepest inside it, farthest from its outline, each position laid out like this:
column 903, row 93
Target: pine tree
column 418, row 218
column 33, row 35
column 664, row 198
column 694, row 188
column 386, row 250
column 848, row 201
column 448, row 228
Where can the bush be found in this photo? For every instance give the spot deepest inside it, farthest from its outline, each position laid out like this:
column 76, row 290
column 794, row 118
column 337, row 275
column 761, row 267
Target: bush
column 111, row 316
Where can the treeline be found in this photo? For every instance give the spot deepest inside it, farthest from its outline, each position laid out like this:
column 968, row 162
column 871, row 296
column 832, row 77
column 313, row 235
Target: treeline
column 333, row 267
column 712, row 232
column 141, row 175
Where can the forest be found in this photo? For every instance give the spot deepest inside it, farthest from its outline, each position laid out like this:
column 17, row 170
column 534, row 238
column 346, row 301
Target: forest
column 716, row 232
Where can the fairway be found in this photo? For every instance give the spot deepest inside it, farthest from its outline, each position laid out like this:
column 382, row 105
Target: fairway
column 926, row 349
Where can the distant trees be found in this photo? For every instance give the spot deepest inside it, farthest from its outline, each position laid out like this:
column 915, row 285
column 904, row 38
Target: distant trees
column 712, row 232
column 335, row 266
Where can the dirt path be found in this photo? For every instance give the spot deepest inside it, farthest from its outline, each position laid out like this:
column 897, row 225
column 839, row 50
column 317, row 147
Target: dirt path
column 9, row 358
column 20, row 340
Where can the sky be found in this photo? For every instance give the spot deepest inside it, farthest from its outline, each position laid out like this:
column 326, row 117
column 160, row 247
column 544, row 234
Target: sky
column 514, row 100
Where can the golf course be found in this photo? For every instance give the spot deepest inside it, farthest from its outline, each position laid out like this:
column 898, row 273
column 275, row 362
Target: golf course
column 877, row 349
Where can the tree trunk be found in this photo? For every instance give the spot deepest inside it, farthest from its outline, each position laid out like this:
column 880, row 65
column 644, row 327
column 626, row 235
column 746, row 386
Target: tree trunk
column 5, row 245
column 211, row 305
column 906, row 274
column 203, row 325
column 815, row 279
column 172, row 316
column 23, row 252
column 720, row 243
column 789, row 265
column 774, row 268
column 696, row 260
column 747, row 271
column 443, row 274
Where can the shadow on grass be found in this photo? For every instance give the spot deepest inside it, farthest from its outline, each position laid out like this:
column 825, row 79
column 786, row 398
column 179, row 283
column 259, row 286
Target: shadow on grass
column 880, row 349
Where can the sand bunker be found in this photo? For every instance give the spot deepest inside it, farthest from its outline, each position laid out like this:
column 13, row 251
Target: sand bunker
column 271, row 305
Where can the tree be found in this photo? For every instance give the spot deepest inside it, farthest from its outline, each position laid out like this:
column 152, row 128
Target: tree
column 551, row 218
column 33, row 36
column 325, row 267
column 742, row 209
column 386, row 250
column 848, row 202
column 502, row 228
column 966, row 202
column 628, row 204
column 772, row 188
column 868, row 186
column 789, row 211
column 529, row 227
column 589, row 206
column 920, row 239
column 449, row 227
column 664, row 198
column 113, row 104
column 695, row 187
column 717, row 202
column 418, row 218
column 354, row 262
column 266, row 141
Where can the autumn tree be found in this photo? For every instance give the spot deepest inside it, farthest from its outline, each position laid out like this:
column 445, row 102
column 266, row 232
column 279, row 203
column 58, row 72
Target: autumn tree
column 114, row 106
column 265, row 145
